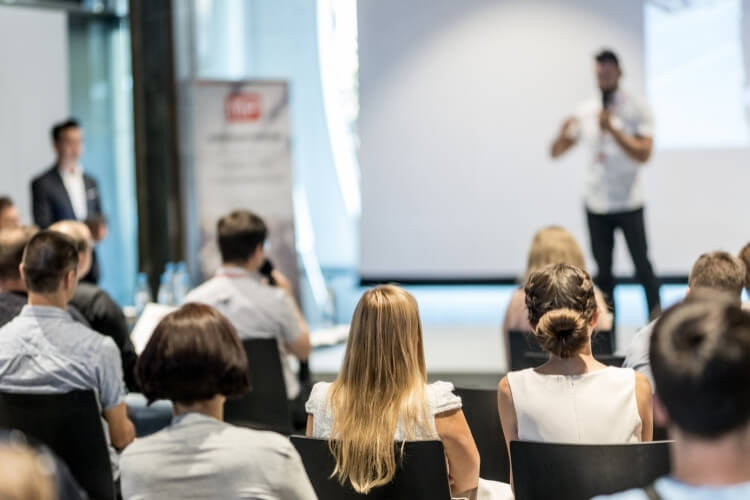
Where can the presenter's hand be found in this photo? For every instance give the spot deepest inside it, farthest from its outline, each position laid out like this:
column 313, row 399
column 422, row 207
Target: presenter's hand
column 605, row 120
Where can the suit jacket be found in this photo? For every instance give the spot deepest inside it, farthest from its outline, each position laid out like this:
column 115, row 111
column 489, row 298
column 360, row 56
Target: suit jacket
column 51, row 202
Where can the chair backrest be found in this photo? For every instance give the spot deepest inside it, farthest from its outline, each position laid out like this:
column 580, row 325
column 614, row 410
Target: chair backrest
column 522, row 342
column 265, row 406
column 71, row 426
column 480, row 409
column 582, row 471
column 423, row 474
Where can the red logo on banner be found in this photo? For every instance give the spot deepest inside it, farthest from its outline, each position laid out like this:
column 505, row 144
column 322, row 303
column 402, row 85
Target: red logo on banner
column 244, row 107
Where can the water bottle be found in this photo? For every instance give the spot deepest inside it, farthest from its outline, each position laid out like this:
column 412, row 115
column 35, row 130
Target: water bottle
column 180, row 283
column 166, row 294
column 142, row 293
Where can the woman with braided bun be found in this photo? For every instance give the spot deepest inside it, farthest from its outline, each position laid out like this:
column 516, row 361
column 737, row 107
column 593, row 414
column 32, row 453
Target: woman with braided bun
column 572, row 397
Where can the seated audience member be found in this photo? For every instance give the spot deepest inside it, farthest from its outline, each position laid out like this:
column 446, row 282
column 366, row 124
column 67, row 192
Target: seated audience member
column 700, row 353
column 572, row 398
column 255, row 308
column 9, row 217
column 195, row 359
column 42, row 350
column 381, row 395
column 551, row 245
column 717, row 271
column 745, row 258
column 100, row 310
column 13, row 295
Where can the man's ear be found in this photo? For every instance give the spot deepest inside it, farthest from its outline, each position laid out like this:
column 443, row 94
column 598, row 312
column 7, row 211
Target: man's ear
column 70, row 281
column 22, row 272
column 661, row 417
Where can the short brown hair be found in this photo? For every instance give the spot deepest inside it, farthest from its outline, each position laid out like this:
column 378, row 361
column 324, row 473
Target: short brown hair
column 5, row 202
column 745, row 257
column 720, row 271
column 193, row 355
column 561, row 302
column 240, row 233
column 700, row 359
column 48, row 257
column 12, row 243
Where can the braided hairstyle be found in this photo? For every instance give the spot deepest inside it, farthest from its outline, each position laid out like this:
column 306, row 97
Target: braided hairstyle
column 561, row 304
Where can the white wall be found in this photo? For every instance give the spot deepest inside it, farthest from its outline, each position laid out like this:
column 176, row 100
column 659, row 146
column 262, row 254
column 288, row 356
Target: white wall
column 33, row 95
column 459, row 102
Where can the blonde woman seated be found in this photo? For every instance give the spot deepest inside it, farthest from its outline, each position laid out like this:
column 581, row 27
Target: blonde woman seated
column 381, row 395
column 572, row 397
column 551, row 245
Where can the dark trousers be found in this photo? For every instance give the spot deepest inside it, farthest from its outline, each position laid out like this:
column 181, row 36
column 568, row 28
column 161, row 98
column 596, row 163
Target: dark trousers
column 602, row 232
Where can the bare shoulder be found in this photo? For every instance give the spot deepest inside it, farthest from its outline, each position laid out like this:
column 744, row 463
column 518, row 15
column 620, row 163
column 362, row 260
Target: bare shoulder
column 642, row 384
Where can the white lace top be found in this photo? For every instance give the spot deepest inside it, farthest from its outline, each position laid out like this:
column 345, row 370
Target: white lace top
column 439, row 395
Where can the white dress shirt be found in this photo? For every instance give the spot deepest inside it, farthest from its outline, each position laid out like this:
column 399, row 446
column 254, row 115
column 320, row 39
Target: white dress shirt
column 73, row 180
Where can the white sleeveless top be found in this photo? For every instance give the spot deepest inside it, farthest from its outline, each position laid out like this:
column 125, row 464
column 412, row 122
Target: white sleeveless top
column 439, row 399
column 598, row 407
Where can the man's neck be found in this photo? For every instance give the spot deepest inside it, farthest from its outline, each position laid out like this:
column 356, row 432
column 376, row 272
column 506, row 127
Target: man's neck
column 720, row 462
column 245, row 266
column 213, row 407
column 49, row 300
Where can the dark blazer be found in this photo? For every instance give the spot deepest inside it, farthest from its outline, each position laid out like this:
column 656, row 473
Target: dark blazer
column 51, row 202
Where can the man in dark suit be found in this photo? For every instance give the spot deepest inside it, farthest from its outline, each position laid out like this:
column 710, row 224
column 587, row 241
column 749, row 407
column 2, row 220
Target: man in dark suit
column 65, row 192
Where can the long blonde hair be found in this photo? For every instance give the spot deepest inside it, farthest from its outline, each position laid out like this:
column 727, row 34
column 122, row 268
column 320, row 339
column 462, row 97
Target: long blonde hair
column 380, row 384
column 553, row 245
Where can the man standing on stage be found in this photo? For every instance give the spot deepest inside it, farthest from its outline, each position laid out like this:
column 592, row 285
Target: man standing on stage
column 617, row 128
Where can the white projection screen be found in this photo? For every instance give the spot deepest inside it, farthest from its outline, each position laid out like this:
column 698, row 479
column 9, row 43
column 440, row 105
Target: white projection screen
column 459, row 101
column 33, row 95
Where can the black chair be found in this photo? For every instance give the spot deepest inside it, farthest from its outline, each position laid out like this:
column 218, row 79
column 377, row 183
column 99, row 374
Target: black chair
column 480, row 409
column 71, row 426
column 522, row 342
column 422, row 476
column 581, row 471
column 266, row 406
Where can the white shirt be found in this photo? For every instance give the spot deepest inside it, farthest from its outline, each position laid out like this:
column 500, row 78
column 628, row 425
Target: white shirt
column 612, row 179
column 671, row 489
column 76, row 188
column 598, row 407
column 255, row 309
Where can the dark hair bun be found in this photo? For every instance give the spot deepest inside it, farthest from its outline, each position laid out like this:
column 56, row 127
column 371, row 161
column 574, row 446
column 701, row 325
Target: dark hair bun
column 563, row 332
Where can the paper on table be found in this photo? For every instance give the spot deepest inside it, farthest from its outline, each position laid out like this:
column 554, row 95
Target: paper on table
column 329, row 336
column 150, row 317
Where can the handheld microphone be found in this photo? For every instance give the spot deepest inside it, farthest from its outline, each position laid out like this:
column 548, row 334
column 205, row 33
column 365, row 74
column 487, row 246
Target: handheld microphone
column 607, row 96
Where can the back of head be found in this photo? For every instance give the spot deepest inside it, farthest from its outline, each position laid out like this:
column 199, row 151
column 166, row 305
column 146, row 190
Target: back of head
column 239, row 235
column 193, row 355
column 553, row 245
column 718, row 271
column 700, row 358
column 12, row 244
column 383, row 375
column 24, row 475
column 48, row 257
column 80, row 233
column 561, row 303
column 745, row 258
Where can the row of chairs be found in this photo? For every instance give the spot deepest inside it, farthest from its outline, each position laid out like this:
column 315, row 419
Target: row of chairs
column 541, row 470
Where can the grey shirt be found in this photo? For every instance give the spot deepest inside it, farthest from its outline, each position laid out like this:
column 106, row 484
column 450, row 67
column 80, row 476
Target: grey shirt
column 255, row 309
column 44, row 351
column 201, row 457
column 637, row 356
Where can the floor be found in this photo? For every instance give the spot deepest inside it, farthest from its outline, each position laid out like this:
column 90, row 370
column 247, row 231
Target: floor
column 462, row 327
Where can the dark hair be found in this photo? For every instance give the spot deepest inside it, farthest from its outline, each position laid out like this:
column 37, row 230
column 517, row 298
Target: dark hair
column 5, row 202
column 719, row 271
column 561, row 304
column 700, row 359
column 12, row 243
column 240, row 233
column 607, row 56
column 745, row 258
column 48, row 257
column 59, row 128
column 193, row 355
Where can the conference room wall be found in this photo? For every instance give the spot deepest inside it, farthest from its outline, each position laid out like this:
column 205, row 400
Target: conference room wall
column 33, row 95
column 459, row 103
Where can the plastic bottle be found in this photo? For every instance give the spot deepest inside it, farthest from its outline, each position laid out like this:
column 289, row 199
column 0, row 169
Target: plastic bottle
column 142, row 293
column 180, row 283
column 165, row 296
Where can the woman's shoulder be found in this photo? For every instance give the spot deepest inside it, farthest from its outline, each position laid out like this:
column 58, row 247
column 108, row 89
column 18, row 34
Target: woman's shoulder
column 318, row 397
column 441, row 397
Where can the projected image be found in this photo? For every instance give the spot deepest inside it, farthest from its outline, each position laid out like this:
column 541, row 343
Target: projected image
column 698, row 72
